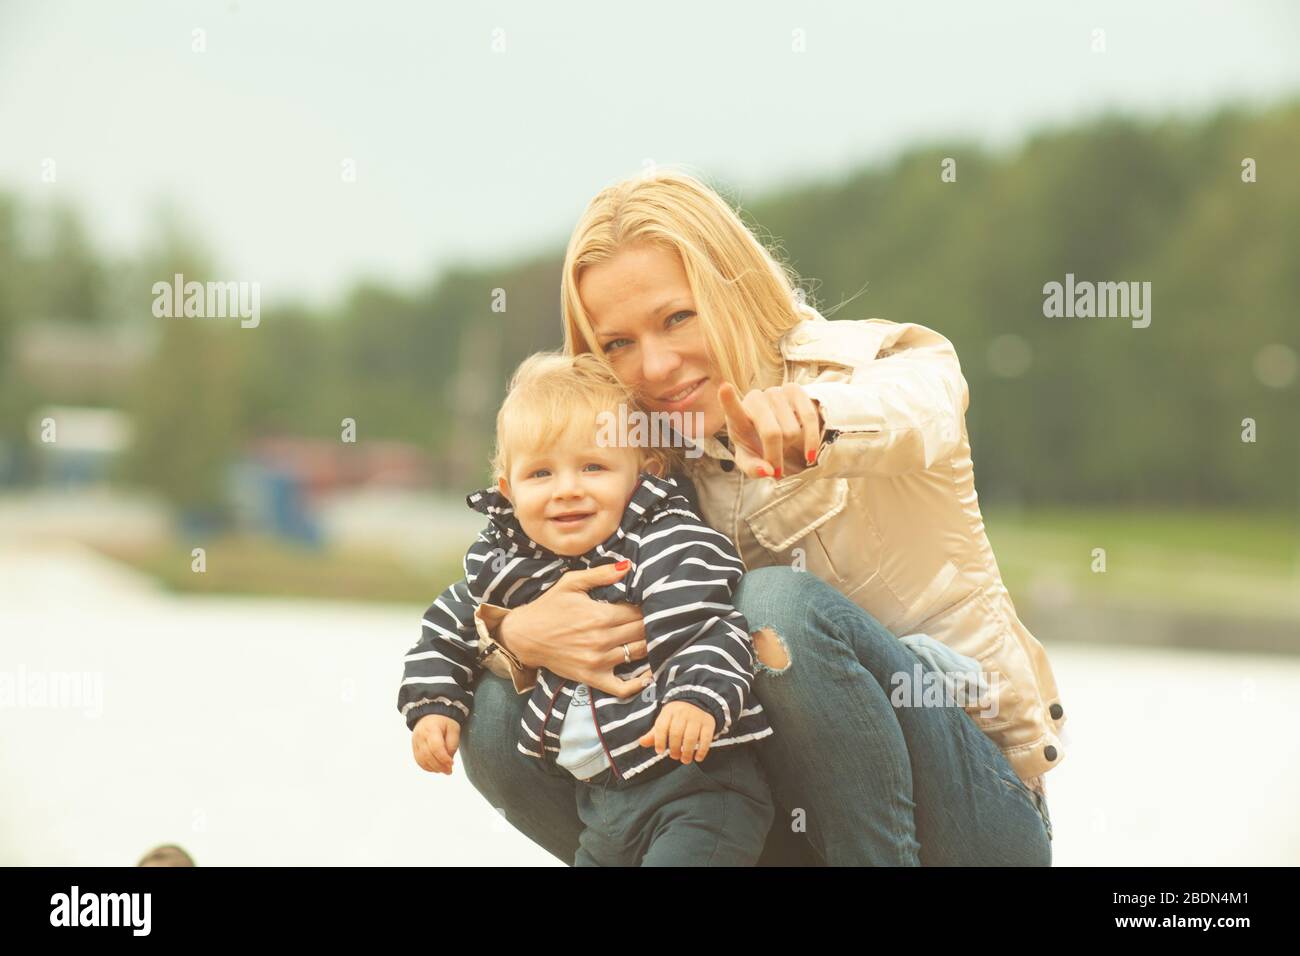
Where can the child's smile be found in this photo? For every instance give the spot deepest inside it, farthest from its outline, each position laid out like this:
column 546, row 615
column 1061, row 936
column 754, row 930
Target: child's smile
column 573, row 519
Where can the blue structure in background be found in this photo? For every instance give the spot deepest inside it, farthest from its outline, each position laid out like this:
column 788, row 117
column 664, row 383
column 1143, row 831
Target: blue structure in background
column 274, row 501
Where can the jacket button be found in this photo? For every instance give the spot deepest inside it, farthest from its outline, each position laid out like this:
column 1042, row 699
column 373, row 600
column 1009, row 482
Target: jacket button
column 1049, row 752
column 728, row 465
column 1056, row 711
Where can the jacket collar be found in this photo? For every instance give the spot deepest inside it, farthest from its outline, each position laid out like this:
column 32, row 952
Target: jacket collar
column 822, row 341
column 652, row 494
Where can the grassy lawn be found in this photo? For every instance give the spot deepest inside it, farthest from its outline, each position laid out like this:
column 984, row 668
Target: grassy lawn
column 1240, row 563
column 254, row 565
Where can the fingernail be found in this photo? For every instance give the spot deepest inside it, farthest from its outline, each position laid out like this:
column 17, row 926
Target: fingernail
column 778, row 473
column 762, row 472
column 623, row 565
column 812, row 457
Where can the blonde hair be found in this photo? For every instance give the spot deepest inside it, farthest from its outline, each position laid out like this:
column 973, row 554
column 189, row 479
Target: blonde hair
column 549, row 393
column 745, row 298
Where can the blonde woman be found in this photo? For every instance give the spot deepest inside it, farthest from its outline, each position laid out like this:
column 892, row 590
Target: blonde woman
column 837, row 461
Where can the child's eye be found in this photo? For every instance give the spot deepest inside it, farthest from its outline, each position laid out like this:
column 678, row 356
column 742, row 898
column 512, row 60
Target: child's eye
column 593, row 464
column 539, row 471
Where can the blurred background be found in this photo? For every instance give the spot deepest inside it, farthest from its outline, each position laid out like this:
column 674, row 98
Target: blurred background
column 217, row 537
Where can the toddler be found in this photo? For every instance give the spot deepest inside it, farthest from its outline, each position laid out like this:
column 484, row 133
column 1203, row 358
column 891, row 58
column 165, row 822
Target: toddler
column 566, row 498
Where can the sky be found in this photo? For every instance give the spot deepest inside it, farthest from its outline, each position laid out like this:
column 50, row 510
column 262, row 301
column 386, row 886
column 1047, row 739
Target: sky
column 478, row 132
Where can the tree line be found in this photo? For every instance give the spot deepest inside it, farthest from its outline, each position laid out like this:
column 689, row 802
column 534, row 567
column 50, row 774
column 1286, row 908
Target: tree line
column 947, row 234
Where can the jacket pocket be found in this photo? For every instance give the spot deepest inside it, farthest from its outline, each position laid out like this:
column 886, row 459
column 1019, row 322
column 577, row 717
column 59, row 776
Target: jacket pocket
column 969, row 625
column 931, row 603
column 795, row 515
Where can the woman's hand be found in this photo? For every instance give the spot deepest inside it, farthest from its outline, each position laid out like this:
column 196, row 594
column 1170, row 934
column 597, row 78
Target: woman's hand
column 773, row 431
column 578, row 638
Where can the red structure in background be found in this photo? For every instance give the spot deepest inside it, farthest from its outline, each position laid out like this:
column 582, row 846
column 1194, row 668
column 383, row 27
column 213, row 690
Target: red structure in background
column 279, row 485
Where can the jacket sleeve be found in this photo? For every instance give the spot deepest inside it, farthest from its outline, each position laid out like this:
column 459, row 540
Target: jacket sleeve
column 899, row 412
column 441, row 667
column 685, row 578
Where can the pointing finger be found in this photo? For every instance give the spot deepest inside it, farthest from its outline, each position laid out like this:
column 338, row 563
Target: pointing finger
column 739, row 427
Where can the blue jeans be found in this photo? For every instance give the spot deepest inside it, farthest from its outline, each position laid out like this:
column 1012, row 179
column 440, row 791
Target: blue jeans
column 856, row 781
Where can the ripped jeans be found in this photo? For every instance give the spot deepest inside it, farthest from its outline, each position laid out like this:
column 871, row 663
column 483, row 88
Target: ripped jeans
column 856, row 781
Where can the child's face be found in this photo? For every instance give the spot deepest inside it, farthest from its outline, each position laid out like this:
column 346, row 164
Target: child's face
column 570, row 496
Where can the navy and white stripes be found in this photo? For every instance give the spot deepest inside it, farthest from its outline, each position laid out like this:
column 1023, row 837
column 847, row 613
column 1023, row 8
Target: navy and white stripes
column 683, row 575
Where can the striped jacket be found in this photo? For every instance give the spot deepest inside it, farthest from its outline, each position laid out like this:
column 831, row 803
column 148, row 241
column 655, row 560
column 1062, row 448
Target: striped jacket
column 683, row 574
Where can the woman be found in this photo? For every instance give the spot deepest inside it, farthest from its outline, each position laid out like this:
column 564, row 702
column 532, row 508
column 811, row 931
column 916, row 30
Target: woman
column 838, row 463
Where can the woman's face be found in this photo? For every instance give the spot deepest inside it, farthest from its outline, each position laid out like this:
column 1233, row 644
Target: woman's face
column 641, row 308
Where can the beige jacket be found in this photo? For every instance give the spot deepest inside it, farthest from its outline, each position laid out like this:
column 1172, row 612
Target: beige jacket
column 889, row 516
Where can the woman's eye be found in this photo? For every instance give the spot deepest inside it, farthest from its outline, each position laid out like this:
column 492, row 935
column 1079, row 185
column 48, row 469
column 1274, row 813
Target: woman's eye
column 614, row 344
column 686, row 313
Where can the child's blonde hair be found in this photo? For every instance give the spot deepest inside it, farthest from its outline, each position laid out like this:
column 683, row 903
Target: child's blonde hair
column 745, row 298
column 551, row 391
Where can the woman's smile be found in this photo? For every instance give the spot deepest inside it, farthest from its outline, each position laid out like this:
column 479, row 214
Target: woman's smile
column 682, row 398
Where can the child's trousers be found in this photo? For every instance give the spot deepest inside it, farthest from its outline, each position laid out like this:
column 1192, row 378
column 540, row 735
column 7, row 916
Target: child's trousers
column 716, row 812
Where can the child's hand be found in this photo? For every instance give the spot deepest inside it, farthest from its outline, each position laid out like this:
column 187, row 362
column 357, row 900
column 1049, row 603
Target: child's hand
column 434, row 742
column 685, row 729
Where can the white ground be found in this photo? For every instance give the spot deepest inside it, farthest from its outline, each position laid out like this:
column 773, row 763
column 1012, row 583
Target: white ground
column 265, row 732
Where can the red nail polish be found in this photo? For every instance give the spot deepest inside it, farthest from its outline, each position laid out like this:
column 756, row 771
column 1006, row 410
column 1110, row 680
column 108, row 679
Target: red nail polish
column 778, row 473
column 812, row 457
column 623, row 565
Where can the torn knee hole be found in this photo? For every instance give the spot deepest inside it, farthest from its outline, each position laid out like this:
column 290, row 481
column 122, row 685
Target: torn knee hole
column 770, row 649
